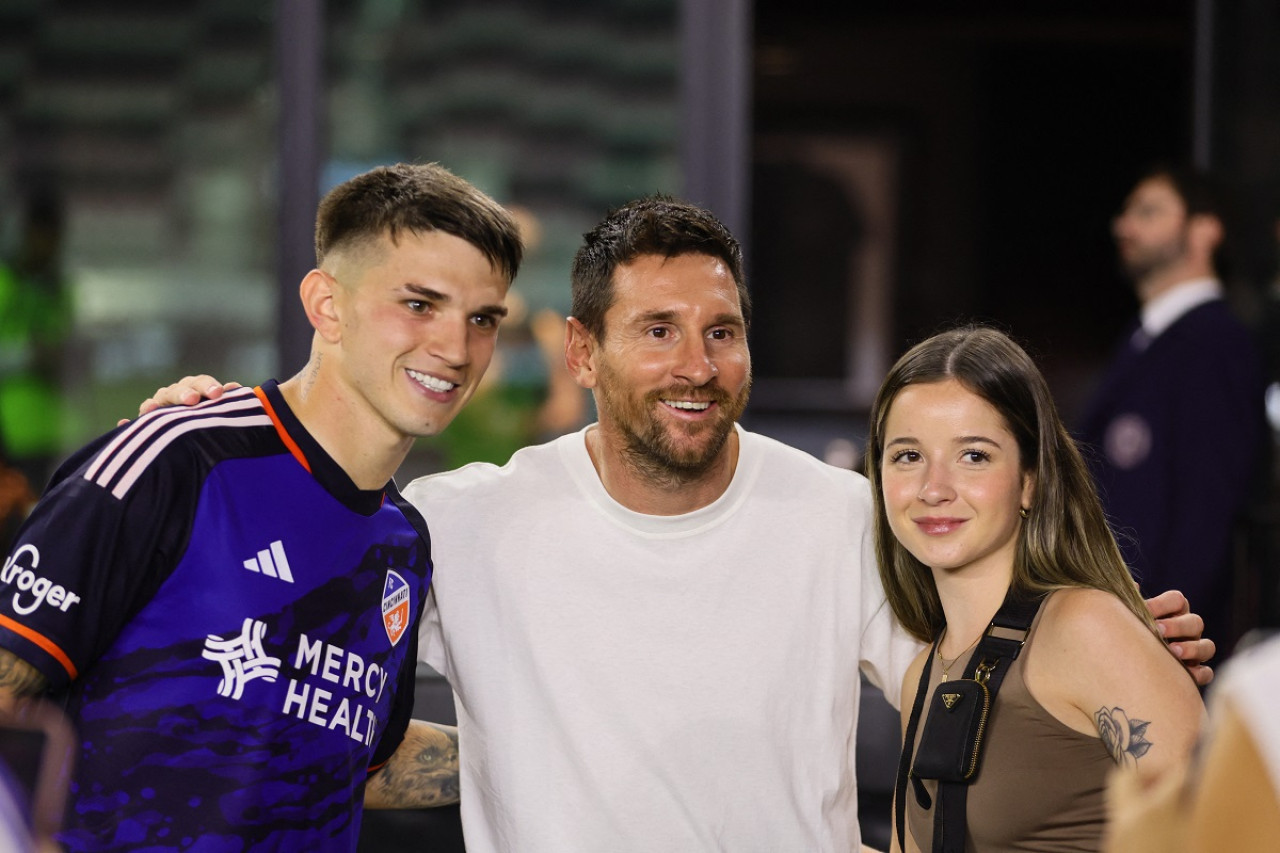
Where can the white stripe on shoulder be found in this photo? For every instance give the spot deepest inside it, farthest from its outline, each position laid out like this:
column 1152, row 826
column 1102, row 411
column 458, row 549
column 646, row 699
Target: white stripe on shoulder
column 143, row 430
column 152, row 450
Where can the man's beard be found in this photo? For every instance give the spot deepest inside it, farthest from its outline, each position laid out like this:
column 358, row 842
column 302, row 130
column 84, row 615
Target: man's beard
column 649, row 445
column 1153, row 259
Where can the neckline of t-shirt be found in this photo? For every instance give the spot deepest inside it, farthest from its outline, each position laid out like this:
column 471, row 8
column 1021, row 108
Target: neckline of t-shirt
column 582, row 469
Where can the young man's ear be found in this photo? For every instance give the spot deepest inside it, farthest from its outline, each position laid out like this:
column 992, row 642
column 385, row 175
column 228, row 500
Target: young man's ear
column 1205, row 233
column 579, row 353
column 318, row 292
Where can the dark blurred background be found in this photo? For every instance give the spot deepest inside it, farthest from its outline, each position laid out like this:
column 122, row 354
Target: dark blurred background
column 1012, row 132
column 891, row 167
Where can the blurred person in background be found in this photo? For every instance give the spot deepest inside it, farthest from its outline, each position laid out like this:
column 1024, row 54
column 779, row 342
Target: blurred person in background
column 1175, row 430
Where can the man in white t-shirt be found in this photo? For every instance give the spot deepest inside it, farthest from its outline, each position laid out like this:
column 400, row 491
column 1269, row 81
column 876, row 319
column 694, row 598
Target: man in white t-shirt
column 654, row 627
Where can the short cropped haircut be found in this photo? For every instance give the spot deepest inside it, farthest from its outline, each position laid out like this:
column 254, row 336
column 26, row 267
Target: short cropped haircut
column 655, row 225
column 418, row 199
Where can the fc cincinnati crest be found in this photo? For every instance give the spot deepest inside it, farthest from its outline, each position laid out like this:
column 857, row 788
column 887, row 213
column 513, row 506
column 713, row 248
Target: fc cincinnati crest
column 395, row 607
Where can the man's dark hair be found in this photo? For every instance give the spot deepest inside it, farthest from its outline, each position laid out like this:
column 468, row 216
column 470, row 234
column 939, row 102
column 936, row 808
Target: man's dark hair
column 1203, row 194
column 1199, row 191
column 417, row 198
column 654, row 225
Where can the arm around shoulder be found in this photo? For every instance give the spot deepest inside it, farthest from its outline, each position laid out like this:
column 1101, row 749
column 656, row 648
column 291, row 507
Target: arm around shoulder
column 1100, row 664
column 1183, row 631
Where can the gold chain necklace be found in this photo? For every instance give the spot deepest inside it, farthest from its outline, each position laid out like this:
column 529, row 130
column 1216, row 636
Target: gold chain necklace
column 946, row 665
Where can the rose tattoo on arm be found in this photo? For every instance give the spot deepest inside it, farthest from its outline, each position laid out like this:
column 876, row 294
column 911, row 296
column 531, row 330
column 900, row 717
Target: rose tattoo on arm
column 1124, row 738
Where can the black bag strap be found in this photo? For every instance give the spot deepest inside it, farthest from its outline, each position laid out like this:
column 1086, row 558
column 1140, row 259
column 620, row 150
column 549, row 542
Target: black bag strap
column 999, row 647
column 908, row 746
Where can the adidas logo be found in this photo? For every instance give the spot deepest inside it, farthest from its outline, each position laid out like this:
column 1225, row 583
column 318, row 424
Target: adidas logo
column 271, row 562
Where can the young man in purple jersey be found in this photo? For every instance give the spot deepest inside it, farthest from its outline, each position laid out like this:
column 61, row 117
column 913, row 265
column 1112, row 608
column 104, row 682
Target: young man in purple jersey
column 226, row 598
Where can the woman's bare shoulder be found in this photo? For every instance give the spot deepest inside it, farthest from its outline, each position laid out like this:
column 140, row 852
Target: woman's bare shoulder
column 1091, row 621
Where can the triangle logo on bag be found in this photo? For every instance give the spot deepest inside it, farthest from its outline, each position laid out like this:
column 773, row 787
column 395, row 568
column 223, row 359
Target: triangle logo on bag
column 950, row 700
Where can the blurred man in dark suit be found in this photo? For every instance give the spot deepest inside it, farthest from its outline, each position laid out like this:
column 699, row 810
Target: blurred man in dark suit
column 1177, row 426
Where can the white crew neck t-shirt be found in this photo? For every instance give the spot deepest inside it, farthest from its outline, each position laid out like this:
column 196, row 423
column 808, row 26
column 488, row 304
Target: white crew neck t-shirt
column 627, row 682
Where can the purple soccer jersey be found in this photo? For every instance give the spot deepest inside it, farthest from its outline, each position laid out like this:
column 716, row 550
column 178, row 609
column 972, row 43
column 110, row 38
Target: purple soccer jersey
column 232, row 622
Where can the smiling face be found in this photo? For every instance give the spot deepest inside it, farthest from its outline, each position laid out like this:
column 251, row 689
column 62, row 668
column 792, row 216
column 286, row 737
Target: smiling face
column 952, row 479
column 672, row 373
column 417, row 324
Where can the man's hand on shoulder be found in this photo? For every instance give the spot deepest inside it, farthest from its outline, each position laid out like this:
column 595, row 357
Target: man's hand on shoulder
column 1183, row 631
column 185, row 392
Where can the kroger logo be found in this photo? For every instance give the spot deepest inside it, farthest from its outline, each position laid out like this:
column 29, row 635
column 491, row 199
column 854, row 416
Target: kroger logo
column 31, row 590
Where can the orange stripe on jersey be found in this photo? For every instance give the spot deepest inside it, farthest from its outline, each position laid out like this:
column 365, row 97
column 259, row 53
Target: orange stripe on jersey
column 376, row 767
column 283, row 433
column 43, row 642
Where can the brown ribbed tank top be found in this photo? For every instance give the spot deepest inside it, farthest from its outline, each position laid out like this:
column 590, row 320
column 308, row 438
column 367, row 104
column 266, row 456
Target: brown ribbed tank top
column 1041, row 784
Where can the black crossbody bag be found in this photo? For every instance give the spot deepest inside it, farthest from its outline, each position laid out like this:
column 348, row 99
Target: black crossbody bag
column 956, row 728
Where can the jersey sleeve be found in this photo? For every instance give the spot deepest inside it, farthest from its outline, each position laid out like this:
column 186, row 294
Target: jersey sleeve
column 83, row 563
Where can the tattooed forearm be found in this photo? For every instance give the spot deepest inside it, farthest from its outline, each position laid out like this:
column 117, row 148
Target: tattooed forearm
column 1124, row 738
column 18, row 680
column 423, row 771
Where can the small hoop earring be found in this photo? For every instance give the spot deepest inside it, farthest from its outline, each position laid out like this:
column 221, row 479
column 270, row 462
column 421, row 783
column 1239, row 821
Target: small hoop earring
column 1023, row 511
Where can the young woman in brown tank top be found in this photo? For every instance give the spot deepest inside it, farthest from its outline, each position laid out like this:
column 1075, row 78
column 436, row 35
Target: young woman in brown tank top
column 980, row 489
